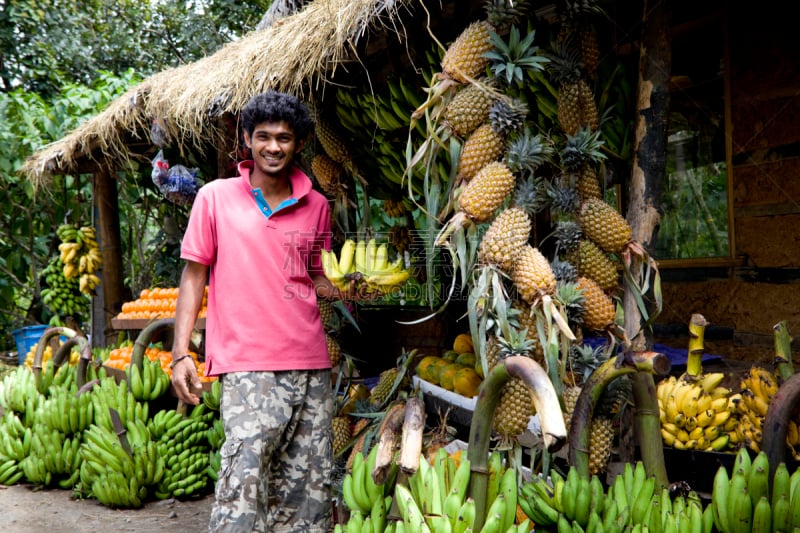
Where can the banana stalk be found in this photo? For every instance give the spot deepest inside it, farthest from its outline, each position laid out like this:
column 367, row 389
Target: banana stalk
column 548, row 409
column 580, row 429
column 694, row 360
column 776, row 422
column 783, row 350
column 411, row 441
column 41, row 346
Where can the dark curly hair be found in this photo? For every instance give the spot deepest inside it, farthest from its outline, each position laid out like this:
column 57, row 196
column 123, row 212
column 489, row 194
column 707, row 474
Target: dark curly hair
column 272, row 106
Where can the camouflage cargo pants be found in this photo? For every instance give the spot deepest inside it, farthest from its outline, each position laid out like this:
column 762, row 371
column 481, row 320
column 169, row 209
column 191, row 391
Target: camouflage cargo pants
column 275, row 473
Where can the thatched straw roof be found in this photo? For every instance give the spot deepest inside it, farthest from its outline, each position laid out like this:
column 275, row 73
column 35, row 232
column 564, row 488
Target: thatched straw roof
column 297, row 54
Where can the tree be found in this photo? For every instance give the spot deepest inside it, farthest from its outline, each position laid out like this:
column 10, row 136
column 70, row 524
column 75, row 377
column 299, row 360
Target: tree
column 47, row 43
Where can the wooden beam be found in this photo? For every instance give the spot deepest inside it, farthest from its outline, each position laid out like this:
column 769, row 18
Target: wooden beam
column 106, row 200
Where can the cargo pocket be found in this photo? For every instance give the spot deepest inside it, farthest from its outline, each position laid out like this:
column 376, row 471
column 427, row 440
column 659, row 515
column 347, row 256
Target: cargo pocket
column 230, row 480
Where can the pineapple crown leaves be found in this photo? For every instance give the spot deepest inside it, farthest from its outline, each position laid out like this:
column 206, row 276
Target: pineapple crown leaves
column 510, row 60
column 565, row 64
column 582, row 148
column 570, row 297
column 515, row 342
column 564, row 200
column 501, row 13
column 530, row 194
column 507, row 115
column 584, row 359
column 526, row 152
column 568, row 234
column 564, row 271
column 574, row 10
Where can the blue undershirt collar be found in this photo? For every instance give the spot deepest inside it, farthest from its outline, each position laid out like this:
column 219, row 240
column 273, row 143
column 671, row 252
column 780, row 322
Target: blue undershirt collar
column 264, row 206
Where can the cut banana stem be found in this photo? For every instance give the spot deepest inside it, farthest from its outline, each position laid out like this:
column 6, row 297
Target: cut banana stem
column 783, row 350
column 779, row 412
column 548, row 410
column 694, row 360
column 411, row 442
column 389, row 434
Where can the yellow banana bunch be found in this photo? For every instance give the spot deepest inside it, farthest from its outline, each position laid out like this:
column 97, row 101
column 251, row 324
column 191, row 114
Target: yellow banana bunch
column 696, row 414
column 366, row 262
column 80, row 255
column 755, row 394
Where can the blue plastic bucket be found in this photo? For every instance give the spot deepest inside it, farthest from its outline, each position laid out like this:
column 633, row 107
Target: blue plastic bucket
column 27, row 337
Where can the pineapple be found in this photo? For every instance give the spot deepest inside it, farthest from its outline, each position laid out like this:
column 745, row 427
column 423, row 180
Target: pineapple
column 506, row 235
column 601, row 439
column 515, row 406
column 334, row 350
column 576, row 107
column 595, row 264
column 599, row 311
column 328, row 316
column 328, row 173
column 604, row 225
column 483, row 146
column 385, row 387
column 527, row 323
column 341, row 433
column 580, row 157
column 332, row 142
column 484, row 194
column 577, row 24
column 468, row 109
column 532, row 274
column 465, row 58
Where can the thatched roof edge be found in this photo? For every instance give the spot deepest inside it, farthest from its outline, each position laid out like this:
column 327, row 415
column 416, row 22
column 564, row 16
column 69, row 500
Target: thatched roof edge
column 297, row 54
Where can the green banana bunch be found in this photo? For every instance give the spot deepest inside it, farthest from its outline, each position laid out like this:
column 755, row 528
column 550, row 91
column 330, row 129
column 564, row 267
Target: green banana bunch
column 66, row 412
column 359, row 489
column 212, row 397
column 62, row 295
column 148, row 383
column 19, row 386
column 184, row 447
column 743, row 500
column 15, row 438
column 10, row 472
column 109, row 394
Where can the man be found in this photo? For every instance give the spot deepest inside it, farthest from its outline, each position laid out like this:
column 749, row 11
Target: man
column 256, row 240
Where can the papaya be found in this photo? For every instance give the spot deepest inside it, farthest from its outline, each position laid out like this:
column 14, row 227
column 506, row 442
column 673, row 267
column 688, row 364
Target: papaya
column 466, row 359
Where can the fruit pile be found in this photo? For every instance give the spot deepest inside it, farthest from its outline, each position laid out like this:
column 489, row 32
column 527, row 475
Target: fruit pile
column 106, row 441
column 457, row 370
column 80, row 255
column 47, row 355
column 156, row 303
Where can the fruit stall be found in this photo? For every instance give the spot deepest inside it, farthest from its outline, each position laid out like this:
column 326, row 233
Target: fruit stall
column 479, row 163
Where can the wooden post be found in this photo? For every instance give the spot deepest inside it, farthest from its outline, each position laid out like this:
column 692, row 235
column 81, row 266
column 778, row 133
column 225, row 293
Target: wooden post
column 649, row 169
column 106, row 201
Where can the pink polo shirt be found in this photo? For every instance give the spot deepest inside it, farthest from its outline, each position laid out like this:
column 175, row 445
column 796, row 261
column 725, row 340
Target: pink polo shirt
column 262, row 311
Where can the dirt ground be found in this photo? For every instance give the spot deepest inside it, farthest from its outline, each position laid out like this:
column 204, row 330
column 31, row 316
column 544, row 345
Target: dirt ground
column 24, row 510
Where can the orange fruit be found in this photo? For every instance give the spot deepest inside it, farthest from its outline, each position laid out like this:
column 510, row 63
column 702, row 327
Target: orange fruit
column 447, row 375
column 463, row 343
column 466, row 382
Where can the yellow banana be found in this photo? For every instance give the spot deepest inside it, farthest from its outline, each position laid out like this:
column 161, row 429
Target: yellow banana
column 711, row 381
column 381, row 258
column 371, row 250
column 346, row 256
column 361, row 256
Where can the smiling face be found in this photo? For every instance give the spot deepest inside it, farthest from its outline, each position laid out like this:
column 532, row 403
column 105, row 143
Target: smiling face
column 273, row 145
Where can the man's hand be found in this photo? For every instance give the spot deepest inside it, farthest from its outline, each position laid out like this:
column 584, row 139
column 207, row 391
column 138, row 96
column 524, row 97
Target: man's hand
column 186, row 382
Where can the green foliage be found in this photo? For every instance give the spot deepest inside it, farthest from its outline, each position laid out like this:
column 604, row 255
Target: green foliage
column 28, row 218
column 47, row 43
